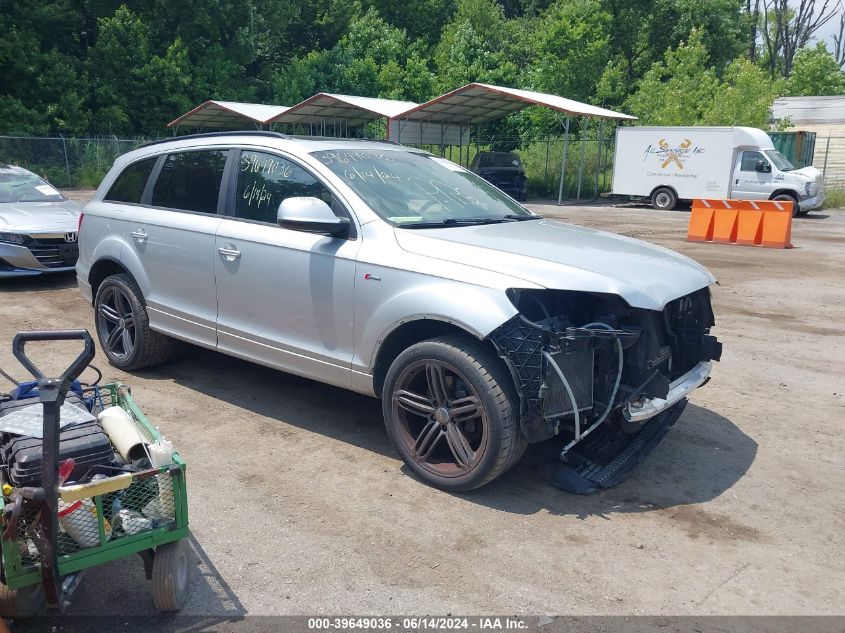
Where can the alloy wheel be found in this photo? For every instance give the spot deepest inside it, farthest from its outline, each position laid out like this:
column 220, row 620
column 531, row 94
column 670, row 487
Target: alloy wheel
column 116, row 323
column 441, row 420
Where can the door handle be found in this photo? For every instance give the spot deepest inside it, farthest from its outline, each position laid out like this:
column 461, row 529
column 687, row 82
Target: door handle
column 229, row 252
column 139, row 235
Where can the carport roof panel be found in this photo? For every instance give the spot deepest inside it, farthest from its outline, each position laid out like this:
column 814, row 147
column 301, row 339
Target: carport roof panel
column 222, row 114
column 480, row 103
column 323, row 106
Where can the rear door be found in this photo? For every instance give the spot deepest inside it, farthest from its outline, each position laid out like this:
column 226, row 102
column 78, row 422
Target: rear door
column 285, row 297
column 748, row 183
column 171, row 237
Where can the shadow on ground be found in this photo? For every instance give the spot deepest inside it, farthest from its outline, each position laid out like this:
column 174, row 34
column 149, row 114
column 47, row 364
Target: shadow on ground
column 38, row 283
column 108, row 592
column 703, row 455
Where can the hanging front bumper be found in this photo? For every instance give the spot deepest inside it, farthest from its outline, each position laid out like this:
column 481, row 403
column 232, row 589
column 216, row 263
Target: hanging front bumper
column 678, row 390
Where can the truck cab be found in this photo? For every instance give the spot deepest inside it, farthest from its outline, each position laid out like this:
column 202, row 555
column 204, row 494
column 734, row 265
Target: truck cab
column 766, row 174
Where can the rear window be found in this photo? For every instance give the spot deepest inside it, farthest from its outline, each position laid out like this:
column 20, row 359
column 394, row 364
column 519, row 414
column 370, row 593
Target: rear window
column 129, row 186
column 190, row 181
column 500, row 160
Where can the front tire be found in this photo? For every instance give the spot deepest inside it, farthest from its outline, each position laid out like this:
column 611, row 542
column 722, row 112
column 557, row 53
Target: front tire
column 450, row 411
column 664, row 199
column 123, row 326
column 796, row 208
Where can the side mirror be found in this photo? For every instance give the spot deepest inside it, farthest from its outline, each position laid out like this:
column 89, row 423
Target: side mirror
column 311, row 215
column 764, row 167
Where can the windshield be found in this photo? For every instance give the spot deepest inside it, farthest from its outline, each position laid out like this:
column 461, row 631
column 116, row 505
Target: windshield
column 26, row 187
column 780, row 161
column 416, row 189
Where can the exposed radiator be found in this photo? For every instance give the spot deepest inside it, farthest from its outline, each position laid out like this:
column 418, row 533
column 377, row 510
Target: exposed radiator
column 577, row 366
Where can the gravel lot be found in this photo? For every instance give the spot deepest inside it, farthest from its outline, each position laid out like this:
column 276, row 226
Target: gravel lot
column 299, row 504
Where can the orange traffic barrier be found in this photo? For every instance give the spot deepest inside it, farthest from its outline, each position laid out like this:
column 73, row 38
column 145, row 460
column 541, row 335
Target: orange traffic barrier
column 765, row 223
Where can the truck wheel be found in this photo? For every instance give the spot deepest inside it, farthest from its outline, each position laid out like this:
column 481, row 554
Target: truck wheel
column 123, row 326
column 796, row 209
column 17, row 604
column 449, row 410
column 664, row 199
column 171, row 576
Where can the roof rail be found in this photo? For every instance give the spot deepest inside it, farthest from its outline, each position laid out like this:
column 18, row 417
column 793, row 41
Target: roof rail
column 216, row 134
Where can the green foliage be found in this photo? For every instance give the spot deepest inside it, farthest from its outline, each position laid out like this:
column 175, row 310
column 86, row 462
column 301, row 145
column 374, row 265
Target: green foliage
column 129, row 66
column 574, row 48
column 815, row 72
column 834, row 199
column 679, row 89
column 684, row 89
column 744, row 97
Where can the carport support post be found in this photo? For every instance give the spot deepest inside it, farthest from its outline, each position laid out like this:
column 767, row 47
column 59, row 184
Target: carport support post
column 598, row 158
column 546, row 167
column 563, row 160
column 581, row 159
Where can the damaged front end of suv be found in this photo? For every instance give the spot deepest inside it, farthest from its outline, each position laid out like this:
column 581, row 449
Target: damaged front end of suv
column 609, row 378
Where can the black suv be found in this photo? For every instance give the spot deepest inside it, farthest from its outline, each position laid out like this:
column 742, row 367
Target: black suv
column 503, row 169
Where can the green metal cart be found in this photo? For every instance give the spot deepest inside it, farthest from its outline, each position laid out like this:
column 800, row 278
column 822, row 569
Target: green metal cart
column 50, row 537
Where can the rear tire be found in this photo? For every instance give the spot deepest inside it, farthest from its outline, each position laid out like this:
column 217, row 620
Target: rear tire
column 427, row 392
column 123, row 326
column 664, row 199
column 172, row 566
column 18, row 604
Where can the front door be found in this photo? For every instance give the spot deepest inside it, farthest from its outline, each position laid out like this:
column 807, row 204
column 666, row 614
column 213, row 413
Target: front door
column 748, row 182
column 285, row 297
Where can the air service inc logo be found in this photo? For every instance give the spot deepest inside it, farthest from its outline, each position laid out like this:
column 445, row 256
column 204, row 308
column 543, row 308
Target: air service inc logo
column 667, row 155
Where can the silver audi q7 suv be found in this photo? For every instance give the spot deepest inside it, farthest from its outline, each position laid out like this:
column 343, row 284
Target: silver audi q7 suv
column 398, row 274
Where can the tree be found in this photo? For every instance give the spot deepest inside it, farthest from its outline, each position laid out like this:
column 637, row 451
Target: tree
column 677, row 90
column 373, row 59
column 421, row 19
column 573, row 48
column 839, row 40
column 642, row 30
column 476, row 46
column 744, row 97
column 788, row 26
column 815, row 73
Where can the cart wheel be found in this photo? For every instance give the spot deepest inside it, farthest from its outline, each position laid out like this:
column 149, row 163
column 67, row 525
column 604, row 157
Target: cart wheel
column 17, row 604
column 171, row 576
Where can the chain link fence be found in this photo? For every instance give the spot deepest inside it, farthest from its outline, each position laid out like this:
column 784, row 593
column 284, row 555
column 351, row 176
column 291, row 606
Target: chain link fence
column 586, row 171
column 66, row 162
column 829, row 158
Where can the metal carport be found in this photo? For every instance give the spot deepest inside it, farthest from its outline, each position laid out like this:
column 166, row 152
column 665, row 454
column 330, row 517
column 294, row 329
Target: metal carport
column 340, row 112
column 228, row 115
column 476, row 103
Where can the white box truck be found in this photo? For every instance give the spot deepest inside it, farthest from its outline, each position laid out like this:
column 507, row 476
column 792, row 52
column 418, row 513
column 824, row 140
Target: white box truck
column 668, row 164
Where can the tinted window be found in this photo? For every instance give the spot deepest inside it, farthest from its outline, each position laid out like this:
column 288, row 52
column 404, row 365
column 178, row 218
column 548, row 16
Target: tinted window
column 500, row 160
column 129, row 186
column 264, row 180
column 749, row 161
column 190, row 181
